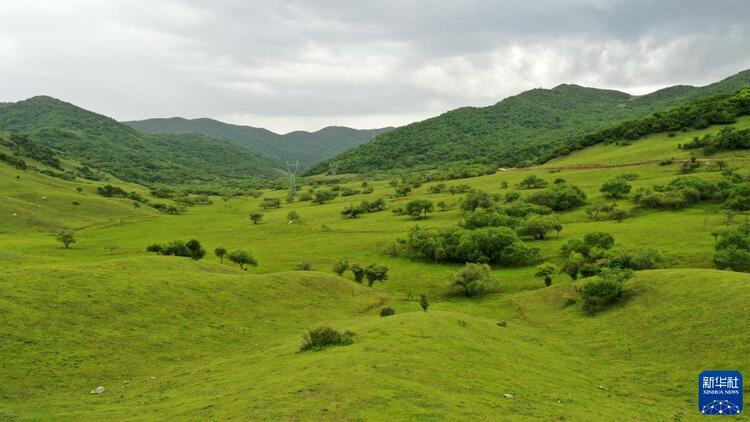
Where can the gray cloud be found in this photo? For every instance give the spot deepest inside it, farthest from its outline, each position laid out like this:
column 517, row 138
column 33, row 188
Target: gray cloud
column 305, row 64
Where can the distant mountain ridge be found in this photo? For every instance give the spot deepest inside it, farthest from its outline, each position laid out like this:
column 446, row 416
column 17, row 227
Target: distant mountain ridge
column 515, row 131
column 101, row 142
column 307, row 147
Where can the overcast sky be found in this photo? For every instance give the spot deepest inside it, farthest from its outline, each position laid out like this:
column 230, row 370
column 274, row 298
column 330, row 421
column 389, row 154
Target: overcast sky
column 288, row 65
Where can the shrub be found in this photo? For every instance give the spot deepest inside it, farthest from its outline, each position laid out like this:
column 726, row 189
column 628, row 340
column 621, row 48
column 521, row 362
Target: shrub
column 267, row 203
column 545, row 272
column 341, row 266
column 375, row 273
column 642, row 259
column 599, row 294
column 538, row 226
column 322, row 196
column 387, row 311
column 532, row 181
column 738, row 198
column 320, row 338
column 242, row 258
column 615, row 188
column 473, row 280
column 358, row 271
column 487, row 218
column 67, row 238
column 424, row 303
column 732, row 251
column 559, row 197
column 293, row 217
column 476, row 199
column 419, row 208
column 456, row 189
column 304, row 266
column 512, row 196
column 402, row 190
column 484, row 245
column 618, row 214
column 438, row 188
column 220, row 252
column 256, row 217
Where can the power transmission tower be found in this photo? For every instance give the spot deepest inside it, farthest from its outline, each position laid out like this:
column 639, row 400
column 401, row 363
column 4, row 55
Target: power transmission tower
column 292, row 171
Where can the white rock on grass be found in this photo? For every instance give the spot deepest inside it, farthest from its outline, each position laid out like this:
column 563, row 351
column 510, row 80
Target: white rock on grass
column 98, row 390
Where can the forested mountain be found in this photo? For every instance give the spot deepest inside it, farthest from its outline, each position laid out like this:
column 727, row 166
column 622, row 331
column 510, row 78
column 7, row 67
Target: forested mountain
column 101, row 142
column 307, row 147
column 516, row 130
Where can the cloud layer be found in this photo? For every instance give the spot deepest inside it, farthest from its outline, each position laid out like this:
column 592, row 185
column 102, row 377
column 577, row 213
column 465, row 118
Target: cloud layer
column 290, row 65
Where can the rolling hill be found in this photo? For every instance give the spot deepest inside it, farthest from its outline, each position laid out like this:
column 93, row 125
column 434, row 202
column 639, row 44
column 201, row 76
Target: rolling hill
column 173, row 338
column 516, row 131
column 307, row 147
column 103, row 143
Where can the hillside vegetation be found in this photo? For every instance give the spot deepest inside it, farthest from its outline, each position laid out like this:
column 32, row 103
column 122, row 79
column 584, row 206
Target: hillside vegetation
column 307, row 147
column 99, row 142
column 516, row 131
column 171, row 337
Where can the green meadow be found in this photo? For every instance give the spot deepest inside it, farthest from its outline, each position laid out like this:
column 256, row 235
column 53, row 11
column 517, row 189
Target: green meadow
column 173, row 338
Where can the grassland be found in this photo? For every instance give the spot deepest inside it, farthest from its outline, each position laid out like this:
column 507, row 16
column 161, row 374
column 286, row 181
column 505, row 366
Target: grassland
column 171, row 338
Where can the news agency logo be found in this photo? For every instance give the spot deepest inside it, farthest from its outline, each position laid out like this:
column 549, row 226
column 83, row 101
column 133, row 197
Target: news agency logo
column 720, row 392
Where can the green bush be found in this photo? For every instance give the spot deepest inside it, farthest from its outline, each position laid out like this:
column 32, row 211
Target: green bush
column 559, row 197
column 732, row 251
column 320, row 338
column 387, row 311
column 474, row 280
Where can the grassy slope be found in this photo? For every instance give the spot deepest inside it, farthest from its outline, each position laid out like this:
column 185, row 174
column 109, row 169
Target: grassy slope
column 222, row 344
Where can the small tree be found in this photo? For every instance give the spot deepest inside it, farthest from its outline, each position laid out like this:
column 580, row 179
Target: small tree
column 419, row 208
column 573, row 265
column 196, row 251
column 270, row 203
column 423, row 302
column 242, row 258
column 442, row 205
column 220, row 252
column 402, row 190
column 539, row 225
column 545, row 271
column 376, row 273
column 473, row 279
column 304, row 266
column 359, row 272
column 618, row 214
column 66, row 238
column 340, row 267
column 615, row 188
column 532, row 181
column 293, row 217
column 256, row 217
column 387, row 311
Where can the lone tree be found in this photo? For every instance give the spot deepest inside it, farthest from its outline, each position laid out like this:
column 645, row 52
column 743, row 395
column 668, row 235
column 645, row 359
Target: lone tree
column 67, row 238
column 419, row 208
column 615, row 188
column 532, row 181
column 618, row 214
column 376, row 273
column 358, row 271
column 220, row 252
column 242, row 258
column 196, row 251
column 293, row 217
column 256, row 217
column 546, row 271
column 270, row 203
column 402, row 190
column 473, row 279
column 442, row 205
column 573, row 265
column 340, row 267
column 423, row 302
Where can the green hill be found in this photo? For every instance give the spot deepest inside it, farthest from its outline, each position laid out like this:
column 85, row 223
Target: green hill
column 100, row 142
column 517, row 130
column 173, row 338
column 307, row 147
